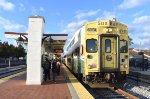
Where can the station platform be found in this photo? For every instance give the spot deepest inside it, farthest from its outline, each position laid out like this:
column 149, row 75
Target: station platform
column 66, row 87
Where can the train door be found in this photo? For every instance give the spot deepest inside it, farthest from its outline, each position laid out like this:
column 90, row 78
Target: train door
column 109, row 52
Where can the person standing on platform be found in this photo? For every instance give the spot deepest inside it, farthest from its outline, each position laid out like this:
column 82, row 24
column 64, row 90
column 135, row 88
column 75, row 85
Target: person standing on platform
column 58, row 67
column 54, row 69
column 47, row 66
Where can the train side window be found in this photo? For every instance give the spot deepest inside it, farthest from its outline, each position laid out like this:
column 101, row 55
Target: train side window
column 123, row 46
column 91, row 45
column 107, row 45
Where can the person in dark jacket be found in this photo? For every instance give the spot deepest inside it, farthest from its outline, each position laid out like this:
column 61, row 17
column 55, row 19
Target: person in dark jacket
column 54, row 69
column 47, row 67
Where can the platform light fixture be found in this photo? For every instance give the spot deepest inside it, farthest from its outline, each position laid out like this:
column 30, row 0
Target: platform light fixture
column 20, row 40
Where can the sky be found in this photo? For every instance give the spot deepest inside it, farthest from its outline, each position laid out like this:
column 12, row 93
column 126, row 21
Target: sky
column 66, row 16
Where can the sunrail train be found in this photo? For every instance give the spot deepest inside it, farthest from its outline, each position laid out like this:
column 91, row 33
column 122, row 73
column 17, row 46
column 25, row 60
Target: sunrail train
column 98, row 51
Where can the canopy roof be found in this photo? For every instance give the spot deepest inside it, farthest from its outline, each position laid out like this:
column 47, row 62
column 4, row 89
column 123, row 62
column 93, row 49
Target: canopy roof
column 54, row 42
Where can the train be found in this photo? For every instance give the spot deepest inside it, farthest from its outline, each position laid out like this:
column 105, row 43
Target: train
column 98, row 52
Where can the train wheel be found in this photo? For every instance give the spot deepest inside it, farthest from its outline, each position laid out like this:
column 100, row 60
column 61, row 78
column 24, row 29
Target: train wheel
column 86, row 79
column 107, row 77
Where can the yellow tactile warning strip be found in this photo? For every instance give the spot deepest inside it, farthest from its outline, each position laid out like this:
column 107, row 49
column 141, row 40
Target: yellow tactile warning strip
column 2, row 80
column 80, row 90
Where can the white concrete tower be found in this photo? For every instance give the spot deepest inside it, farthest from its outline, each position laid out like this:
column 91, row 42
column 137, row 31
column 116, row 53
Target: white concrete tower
column 34, row 53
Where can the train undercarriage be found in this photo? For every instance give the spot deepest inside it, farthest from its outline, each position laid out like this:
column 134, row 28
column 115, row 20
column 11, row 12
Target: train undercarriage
column 104, row 79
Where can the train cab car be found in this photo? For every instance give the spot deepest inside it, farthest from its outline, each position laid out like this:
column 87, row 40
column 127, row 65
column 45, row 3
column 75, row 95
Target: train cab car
column 98, row 51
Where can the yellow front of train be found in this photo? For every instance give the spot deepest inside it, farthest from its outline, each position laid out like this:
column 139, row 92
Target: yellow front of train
column 105, row 45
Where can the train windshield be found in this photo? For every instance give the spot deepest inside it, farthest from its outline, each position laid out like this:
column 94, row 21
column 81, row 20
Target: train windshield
column 91, row 45
column 123, row 46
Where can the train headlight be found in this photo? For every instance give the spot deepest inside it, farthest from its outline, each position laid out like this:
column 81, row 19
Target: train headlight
column 108, row 30
column 125, row 66
column 75, row 56
column 122, row 66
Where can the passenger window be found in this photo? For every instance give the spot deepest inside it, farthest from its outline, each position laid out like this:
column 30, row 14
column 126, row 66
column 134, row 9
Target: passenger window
column 123, row 46
column 107, row 45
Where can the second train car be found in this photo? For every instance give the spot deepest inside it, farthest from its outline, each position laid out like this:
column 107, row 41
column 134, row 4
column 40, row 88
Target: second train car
column 98, row 51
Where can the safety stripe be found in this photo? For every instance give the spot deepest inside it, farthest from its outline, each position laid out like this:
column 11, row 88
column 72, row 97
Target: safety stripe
column 2, row 80
column 81, row 91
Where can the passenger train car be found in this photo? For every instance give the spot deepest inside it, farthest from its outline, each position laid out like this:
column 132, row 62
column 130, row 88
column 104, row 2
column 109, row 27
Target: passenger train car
column 98, row 51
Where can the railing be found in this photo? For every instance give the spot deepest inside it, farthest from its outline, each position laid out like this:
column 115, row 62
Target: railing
column 8, row 63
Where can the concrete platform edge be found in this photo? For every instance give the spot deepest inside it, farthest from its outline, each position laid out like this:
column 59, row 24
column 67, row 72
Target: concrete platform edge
column 71, row 88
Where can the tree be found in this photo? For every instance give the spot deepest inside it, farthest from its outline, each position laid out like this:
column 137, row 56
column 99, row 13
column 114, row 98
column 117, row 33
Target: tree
column 4, row 52
column 130, row 40
column 9, row 50
column 12, row 50
column 20, row 51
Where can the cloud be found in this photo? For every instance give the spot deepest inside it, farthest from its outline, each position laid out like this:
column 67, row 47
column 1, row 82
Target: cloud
column 143, row 42
column 10, row 26
column 145, row 36
column 142, row 20
column 41, row 9
column 84, row 14
column 135, row 29
column 73, row 26
column 145, row 39
column 36, row 11
column 22, row 7
column 138, row 13
column 58, row 13
column 140, row 27
column 5, row 5
column 107, row 15
column 142, row 23
column 127, row 4
column 81, row 20
column 146, row 28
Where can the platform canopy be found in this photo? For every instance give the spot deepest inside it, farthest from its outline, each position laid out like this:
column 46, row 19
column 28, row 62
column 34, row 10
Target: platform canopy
column 52, row 42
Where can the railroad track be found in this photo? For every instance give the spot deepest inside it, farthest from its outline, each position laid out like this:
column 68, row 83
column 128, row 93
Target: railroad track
column 106, row 93
column 139, row 78
column 11, row 72
column 127, row 95
column 109, row 93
